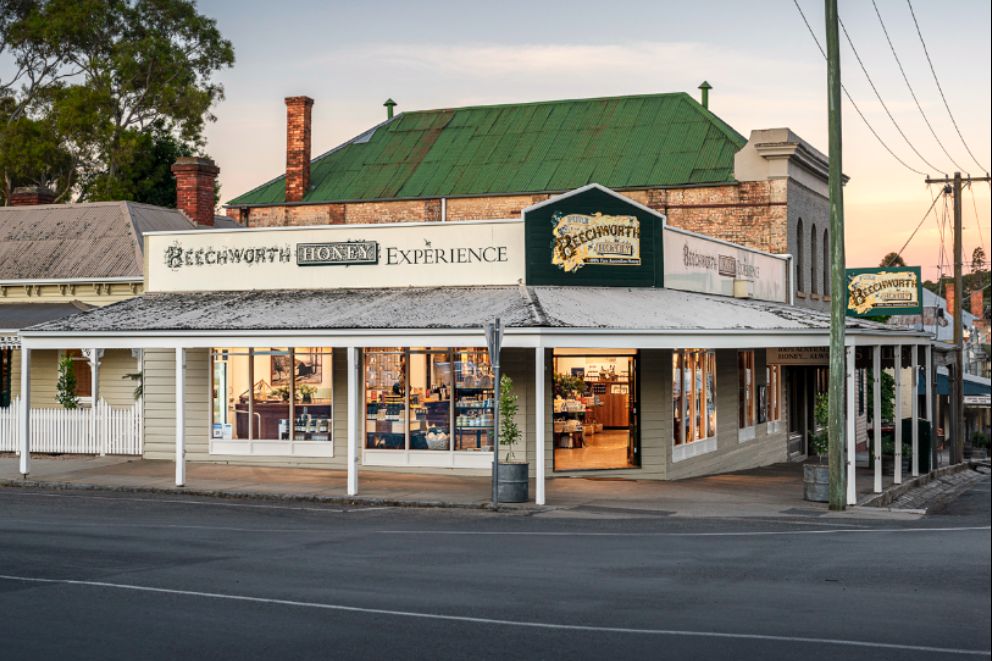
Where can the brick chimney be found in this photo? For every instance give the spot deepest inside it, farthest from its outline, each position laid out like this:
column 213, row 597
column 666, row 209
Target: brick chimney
column 30, row 195
column 297, row 147
column 195, row 179
column 977, row 302
column 950, row 297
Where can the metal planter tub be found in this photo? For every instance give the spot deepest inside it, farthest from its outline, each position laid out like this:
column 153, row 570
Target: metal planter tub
column 816, row 483
column 513, row 484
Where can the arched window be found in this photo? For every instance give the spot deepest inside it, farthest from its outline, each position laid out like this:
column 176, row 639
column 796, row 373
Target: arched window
column 826, row 263
column 813, row 256
column 800, row 262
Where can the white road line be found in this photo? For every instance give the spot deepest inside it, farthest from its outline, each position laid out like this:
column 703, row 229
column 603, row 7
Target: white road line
column 501, row 622
column 757, row 533
column 183, row 501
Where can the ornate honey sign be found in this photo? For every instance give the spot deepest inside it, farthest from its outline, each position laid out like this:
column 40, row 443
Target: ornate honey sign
column 883, row 291
column 581, row 239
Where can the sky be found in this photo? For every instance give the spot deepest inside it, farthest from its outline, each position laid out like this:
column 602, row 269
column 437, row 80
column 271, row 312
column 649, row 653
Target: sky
column 764, row 66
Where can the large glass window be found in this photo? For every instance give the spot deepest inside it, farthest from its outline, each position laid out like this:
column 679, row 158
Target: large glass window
column 428, row 399
column 746, row 399
column 272, row 394
column 693, row 395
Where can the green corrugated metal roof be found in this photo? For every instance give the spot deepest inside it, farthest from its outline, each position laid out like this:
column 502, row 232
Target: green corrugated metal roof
column 549, row 146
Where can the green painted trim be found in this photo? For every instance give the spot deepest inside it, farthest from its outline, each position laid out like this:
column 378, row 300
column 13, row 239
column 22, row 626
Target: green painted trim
column 886, row 311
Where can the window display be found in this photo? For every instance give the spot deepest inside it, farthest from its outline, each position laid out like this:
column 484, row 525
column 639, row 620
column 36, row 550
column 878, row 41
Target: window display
column 428, row 399
column 773, row 377
column 272, row 394
column 693, row 395
column 746, row 405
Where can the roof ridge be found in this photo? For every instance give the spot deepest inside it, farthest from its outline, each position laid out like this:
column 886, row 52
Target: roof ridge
column 545, row 102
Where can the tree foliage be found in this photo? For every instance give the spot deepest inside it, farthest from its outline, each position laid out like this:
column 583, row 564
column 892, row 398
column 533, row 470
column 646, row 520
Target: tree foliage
column 66, row 387
column 892, row 259
column 108, row 89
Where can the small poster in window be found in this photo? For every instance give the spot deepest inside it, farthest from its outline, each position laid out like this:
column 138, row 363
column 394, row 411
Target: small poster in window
column 308, row 367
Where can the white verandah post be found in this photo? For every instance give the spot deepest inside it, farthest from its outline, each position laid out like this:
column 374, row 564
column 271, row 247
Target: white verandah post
column 915, row 414
column 539, row 404
column 180, row 417
column 852, row 412
column 94, row 356
column 897, row 374
column 876, row 413
column 24, row 421
column 354, row 417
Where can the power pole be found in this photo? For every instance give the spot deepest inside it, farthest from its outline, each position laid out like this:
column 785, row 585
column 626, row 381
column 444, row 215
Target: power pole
column 959, row 444
column 838, row 302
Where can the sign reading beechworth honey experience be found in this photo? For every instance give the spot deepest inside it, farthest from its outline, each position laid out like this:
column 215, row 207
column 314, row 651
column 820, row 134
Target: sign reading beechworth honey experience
column 883, row 291
column 582, row 239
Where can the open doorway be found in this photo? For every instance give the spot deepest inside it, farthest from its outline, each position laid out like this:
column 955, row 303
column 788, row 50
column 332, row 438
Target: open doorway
column 595, row 410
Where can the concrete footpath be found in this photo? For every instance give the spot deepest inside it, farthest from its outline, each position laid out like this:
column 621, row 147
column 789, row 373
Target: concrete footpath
column 773, row 491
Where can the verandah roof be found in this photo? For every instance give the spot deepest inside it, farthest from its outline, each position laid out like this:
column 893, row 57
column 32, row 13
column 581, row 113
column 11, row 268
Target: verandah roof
column 599, row 308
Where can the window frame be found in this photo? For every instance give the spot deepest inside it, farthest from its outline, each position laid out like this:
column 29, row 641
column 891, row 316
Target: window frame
column 694, row 390
column 746, row 393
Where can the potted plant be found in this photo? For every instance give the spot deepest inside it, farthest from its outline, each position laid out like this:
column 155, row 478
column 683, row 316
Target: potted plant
column 816, row 477
column 65, row 388
column 513, row 483
column 306, row 392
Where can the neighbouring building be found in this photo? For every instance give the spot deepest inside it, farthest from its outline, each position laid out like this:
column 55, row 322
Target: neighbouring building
column 59, row 259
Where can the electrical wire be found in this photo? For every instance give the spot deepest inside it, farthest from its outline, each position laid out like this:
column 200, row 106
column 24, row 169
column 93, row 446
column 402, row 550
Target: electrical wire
column 853, row 104
column 878, row 96
column 911, row 91
column 918, row 226
column 940, row 89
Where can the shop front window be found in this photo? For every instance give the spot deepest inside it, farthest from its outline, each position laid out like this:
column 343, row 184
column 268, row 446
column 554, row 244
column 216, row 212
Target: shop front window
column 746, row 408
column 693, row 395
column 773, row 379
column 428, row 399
column 271, row 394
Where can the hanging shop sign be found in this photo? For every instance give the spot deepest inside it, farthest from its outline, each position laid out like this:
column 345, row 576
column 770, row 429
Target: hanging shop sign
column 710, row 266
column 799, row 356
column 328, row 257
column 883, row 291
column 581, row 239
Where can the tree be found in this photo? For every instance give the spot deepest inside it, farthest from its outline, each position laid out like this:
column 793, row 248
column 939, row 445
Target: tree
column 978, row 261
column 113, row 80
column 65, row 387
column 892, row 259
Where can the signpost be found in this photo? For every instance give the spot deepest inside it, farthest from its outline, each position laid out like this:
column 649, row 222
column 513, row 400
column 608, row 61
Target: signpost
column 494, row 342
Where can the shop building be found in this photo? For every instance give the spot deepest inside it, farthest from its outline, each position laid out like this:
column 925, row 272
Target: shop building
column 637, row 349
column 667, row 152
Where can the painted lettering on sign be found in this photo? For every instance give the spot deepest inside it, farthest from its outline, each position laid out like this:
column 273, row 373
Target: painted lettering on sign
column 883, row 291
column 177, row 257
column 417, row 256
column 581, row 239
column 337, row 253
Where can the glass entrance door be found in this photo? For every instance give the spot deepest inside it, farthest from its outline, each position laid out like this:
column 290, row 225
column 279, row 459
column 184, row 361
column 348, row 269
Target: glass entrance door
column 595, row 410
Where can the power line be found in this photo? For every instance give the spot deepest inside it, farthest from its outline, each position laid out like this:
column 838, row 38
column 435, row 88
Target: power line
column 978, row 220
column 851, row 100
column 911, row 91
column 918, row 226
column 879, row 97
column 940, row 89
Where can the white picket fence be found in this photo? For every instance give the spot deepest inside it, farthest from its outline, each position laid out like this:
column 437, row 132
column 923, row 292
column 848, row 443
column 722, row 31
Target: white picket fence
column 71, row 431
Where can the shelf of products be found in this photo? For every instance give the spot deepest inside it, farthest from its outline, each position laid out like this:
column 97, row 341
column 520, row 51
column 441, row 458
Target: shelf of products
column 474, row 401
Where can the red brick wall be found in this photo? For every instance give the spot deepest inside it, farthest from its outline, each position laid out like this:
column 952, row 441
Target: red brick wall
column 751, row 213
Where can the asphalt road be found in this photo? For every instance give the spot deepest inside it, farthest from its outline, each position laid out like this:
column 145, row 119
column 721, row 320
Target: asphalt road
column 89, row 575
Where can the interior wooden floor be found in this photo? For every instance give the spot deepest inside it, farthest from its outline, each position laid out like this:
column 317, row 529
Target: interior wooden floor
column 607, row 449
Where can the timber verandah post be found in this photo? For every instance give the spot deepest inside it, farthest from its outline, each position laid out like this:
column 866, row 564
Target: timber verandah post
column 180, row 417
column 876, row 413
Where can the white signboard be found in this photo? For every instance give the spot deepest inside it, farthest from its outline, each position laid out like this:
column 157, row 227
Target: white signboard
column 338, row 256
column 709, row 266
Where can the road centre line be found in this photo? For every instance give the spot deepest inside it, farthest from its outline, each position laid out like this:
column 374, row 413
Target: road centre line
column 499, row 622
column 756, row 533
column 170, row 526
